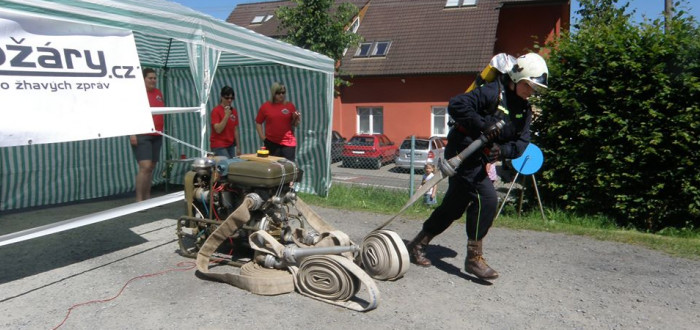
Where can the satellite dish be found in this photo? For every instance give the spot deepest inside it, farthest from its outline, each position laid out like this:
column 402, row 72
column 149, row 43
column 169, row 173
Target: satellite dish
column 530, row 161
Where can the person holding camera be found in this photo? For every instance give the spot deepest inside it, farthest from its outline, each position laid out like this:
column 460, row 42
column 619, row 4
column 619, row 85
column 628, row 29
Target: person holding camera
column 224, row 122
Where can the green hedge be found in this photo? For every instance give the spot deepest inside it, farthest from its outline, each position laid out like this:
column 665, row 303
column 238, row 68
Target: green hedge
column 620, row 122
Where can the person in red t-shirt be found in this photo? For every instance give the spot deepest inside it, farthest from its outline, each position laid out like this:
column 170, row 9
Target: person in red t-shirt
column 146, row 147
column 224, row 120
column 280, row 118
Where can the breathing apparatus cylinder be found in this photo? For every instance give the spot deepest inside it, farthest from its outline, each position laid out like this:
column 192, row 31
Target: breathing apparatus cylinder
column 500, row 64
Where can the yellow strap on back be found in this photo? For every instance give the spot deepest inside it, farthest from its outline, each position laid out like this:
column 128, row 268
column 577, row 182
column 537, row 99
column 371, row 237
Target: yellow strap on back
column 489, row 74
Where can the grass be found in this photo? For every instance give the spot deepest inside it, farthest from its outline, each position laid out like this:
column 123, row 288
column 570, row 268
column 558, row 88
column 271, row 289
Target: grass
column 680, row 243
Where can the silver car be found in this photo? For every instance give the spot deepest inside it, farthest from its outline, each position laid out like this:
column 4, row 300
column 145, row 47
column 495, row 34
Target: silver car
column 426, row 151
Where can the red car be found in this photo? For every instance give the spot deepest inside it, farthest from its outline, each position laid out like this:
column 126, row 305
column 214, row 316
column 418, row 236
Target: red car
column 369, row 151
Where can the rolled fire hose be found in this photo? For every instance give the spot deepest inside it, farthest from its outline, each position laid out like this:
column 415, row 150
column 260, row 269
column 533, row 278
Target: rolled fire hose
column 329, row 278
column 384, row 256
column 314, row 276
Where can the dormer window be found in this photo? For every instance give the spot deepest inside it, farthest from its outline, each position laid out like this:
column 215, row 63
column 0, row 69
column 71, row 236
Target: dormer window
column 355, row 25
column 373, row 49
column 381, row 48
column 460, row 3
column 260, row 19
column 363, row 49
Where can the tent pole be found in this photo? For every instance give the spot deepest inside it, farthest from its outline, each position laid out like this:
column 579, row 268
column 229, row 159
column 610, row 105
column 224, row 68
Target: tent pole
column 166, row 126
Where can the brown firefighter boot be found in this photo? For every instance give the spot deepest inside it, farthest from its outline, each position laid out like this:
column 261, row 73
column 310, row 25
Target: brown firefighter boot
column 476, row 264
column 416, row 249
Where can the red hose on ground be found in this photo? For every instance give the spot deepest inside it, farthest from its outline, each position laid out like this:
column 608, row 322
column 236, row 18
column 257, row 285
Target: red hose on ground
column 180, row 269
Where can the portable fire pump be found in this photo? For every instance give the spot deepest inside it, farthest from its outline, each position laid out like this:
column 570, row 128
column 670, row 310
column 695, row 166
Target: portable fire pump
column 244, row 212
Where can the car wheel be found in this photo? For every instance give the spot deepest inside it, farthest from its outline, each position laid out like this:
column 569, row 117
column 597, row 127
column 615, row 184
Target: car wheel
column 346, row 163
column 378, row 164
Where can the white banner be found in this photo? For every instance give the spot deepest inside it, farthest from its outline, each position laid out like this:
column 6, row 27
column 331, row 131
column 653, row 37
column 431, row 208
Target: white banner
column 62, row 81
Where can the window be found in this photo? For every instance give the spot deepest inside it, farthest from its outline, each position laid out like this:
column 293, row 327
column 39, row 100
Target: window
column 370, row 120
column 383, row 141
column 355, row 25
column 363, row 50
column 353, row 28
column 258, row 19
column 459, row 3
column 268, row 17
column 379, row 48
column 438, row 121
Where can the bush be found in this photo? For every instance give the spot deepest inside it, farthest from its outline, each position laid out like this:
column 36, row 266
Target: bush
column 620, row 120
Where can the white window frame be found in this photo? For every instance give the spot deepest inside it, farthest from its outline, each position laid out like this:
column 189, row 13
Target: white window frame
column 258, row 19
column 452, row 3
column 433, row 110
column 358, row 52
column 372, row 50
column 376, row 46
column 355, row 25
column 374, row 114
column 353, row 28
column 460, row 3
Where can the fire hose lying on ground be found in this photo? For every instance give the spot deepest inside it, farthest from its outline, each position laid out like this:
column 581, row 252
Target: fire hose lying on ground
column 279, row 242
column 243, row 212
column 246, row 206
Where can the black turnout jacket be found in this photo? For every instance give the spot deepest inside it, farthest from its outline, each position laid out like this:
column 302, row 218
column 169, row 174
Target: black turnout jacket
column 477, row 110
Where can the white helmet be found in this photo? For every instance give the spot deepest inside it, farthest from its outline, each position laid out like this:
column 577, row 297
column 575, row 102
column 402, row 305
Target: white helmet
column 530, row 67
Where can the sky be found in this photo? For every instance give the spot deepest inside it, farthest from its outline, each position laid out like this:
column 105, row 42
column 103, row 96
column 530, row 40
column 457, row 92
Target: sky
column 651, row 8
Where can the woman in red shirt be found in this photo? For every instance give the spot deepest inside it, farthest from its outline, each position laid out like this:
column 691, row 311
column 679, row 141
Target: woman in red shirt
column 224, row 121
column 280, row 118
column 146, row 147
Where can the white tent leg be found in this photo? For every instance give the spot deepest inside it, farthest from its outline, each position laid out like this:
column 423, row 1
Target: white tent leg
column 203, row 128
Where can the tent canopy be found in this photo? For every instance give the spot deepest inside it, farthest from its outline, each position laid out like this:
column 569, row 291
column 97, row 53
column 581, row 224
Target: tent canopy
column 195, row 55
column 156, row 22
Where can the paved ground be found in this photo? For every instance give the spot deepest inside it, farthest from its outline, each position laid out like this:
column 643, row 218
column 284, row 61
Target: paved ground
column 547, row 281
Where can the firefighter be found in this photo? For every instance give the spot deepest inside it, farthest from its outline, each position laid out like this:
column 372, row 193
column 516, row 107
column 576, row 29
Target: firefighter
column 476, row 113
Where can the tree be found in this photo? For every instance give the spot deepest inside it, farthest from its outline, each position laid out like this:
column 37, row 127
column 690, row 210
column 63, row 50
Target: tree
column 621, row 118
column 311, row 24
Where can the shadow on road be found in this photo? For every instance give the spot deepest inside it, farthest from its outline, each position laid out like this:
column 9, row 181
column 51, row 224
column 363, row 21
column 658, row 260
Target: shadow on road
column 438, row 252
column 50, row 252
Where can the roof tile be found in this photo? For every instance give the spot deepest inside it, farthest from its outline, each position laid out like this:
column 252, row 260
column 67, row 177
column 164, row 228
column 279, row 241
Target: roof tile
column 426, row 37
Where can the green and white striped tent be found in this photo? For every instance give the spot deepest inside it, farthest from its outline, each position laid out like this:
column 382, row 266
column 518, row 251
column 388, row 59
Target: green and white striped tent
column 195, row 56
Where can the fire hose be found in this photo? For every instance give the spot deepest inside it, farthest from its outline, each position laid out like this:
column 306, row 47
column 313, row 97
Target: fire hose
column 446, row 169
column 324, row 271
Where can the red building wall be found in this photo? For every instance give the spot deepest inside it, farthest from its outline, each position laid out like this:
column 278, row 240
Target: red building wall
column 516, row 35
column 406, row 102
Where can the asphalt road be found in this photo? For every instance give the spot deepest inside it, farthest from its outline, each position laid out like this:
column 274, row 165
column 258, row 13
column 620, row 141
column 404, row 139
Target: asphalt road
column 126, row 273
